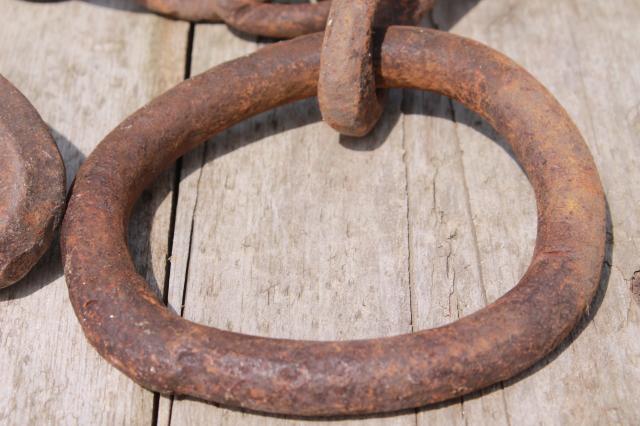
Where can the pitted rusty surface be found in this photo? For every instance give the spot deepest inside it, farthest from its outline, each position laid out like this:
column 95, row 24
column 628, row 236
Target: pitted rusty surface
column 251, row 16
column 277, row 20
column 124, row 320
column 32, row 185
column 347, row 94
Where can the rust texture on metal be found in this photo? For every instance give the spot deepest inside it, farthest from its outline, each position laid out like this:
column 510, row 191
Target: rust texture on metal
column 276, row 20
column 32, row 185
column 131, row 328
column 347, row 94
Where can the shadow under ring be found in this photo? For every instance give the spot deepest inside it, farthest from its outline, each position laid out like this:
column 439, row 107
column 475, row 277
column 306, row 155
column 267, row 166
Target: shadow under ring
column 122, row 317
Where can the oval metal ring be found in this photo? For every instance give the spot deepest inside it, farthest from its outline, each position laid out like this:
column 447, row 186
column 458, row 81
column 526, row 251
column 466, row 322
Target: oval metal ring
column 122, row 317
column 32, row 185
column 276, row 20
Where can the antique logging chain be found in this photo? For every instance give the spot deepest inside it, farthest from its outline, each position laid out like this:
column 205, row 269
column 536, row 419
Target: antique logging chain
column 345, row 67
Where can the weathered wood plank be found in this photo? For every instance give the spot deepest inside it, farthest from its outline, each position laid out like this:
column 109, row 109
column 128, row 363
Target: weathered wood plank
column 295, row 233
column 446, row 278
column 229, row 47
column 580, row 51
column 85, row 67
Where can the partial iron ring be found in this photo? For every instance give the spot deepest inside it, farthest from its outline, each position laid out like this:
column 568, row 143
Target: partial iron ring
column 32, row 185
column 131, row 328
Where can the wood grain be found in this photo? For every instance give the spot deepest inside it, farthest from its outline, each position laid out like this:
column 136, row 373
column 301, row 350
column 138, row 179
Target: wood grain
column 85, row 67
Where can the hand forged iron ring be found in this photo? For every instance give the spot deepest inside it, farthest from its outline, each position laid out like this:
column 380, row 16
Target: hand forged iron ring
column 32, row 185
column 136, row 332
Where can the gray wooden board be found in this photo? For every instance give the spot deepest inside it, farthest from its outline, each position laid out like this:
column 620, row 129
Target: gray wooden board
column 85, row 67
column 284, row 229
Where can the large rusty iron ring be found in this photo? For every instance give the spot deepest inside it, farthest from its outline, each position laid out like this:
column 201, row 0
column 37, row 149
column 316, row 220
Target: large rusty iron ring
column 32, row 185
column 278, row 20
column 131, row 328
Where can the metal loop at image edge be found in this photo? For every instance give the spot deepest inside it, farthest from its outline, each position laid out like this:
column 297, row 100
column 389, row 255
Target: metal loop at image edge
column 32, row 185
